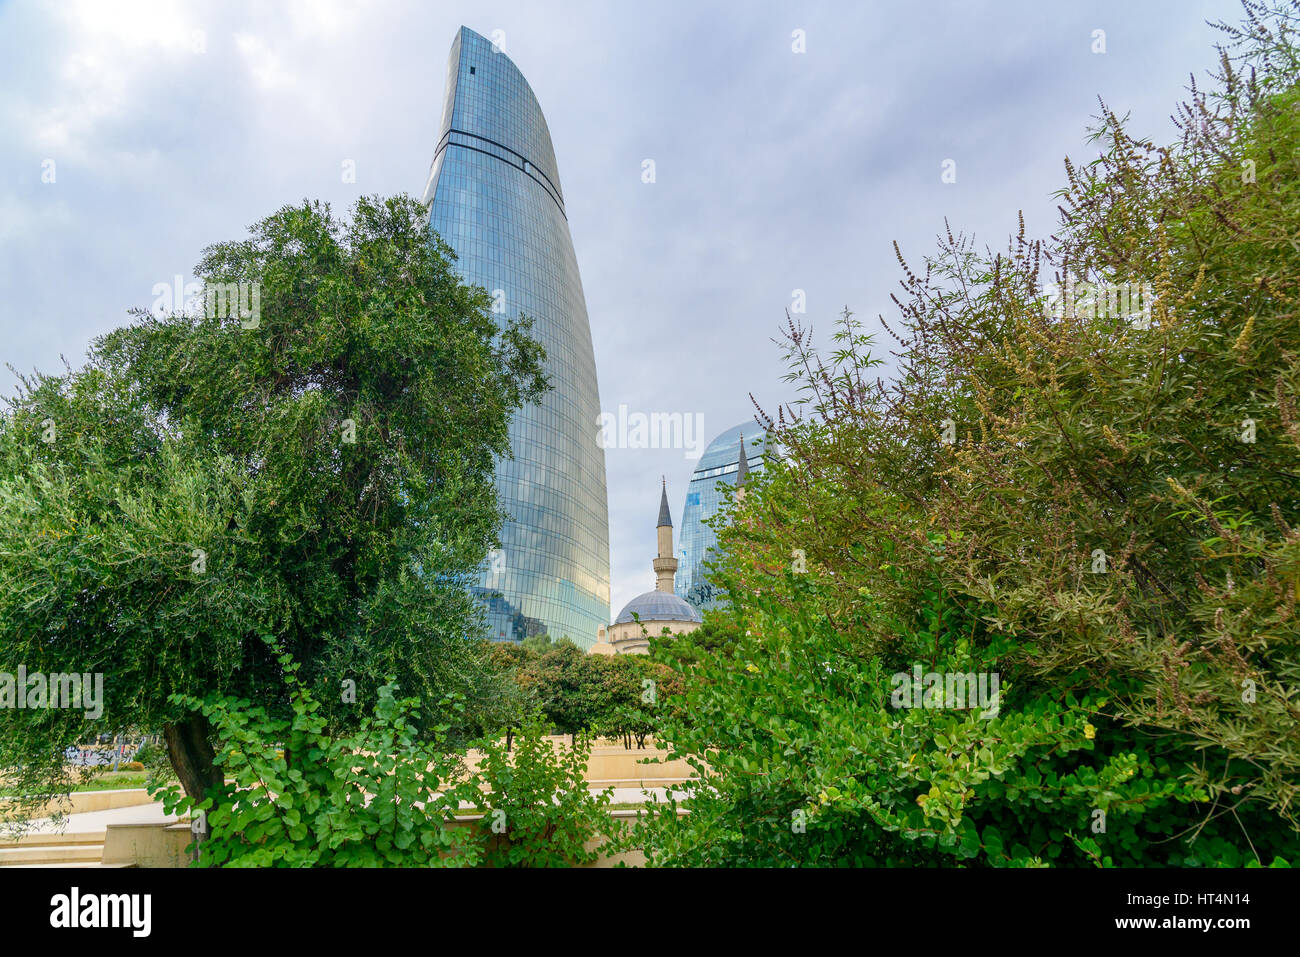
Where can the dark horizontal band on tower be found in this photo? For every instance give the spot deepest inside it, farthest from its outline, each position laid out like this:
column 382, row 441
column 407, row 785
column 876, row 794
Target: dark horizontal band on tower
column 525, row 165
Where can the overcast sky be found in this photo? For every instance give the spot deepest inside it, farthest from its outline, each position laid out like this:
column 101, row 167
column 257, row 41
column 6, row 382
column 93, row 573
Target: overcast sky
column 172, row 126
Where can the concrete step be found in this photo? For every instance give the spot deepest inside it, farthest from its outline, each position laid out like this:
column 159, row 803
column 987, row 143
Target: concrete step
column 52, row 854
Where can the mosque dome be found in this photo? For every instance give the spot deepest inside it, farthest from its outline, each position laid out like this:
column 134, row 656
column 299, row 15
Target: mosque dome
column 658, row 606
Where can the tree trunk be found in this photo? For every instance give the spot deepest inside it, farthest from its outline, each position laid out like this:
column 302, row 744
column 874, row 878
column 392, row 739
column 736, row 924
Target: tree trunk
column 192, row 756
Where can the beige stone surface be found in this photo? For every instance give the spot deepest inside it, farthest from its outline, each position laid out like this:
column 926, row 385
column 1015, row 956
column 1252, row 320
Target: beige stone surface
column 80, row 802
column 81, row 838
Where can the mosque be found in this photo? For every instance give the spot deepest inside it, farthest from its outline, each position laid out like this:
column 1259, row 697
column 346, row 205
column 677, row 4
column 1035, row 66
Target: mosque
column 650, row 613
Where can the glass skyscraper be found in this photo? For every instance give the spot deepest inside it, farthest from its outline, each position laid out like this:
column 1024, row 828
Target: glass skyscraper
column 713, row 482
column 496, row 200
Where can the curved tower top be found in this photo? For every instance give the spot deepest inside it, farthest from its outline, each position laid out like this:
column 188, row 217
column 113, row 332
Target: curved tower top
column 490, row 106
column 495, row 198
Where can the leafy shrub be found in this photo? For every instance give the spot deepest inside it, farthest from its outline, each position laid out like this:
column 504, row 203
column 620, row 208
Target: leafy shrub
column 298, row 796
column 1099, row 509
column 295, row 796
column 537, row 811
column 804, row 760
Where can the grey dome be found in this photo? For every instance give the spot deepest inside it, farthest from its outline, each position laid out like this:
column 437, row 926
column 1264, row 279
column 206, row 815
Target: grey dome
column 657, row 606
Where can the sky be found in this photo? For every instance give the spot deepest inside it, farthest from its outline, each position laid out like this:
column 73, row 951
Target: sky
column 792, row 142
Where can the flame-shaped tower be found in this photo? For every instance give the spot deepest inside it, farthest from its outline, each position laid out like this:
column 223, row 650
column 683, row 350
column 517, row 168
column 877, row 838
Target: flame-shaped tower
column 495, row 197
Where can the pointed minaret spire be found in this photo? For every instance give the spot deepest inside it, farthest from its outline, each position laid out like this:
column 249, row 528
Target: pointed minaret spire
column 742, row 467
column 665, row 565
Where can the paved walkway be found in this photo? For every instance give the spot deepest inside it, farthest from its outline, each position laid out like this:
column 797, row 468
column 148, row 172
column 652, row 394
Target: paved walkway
column 95, row 822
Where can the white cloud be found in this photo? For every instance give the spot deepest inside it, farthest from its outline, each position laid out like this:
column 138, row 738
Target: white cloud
column 263, row 64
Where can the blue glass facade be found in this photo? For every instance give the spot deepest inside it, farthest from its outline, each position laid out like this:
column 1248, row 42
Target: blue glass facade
column 495, row 197
column 713, row 482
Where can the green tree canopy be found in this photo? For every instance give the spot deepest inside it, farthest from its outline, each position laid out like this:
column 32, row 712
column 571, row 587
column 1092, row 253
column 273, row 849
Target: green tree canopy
column 317, row 469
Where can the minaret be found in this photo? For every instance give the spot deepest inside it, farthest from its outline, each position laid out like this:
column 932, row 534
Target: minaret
column 665, row 565
column 742, row 470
